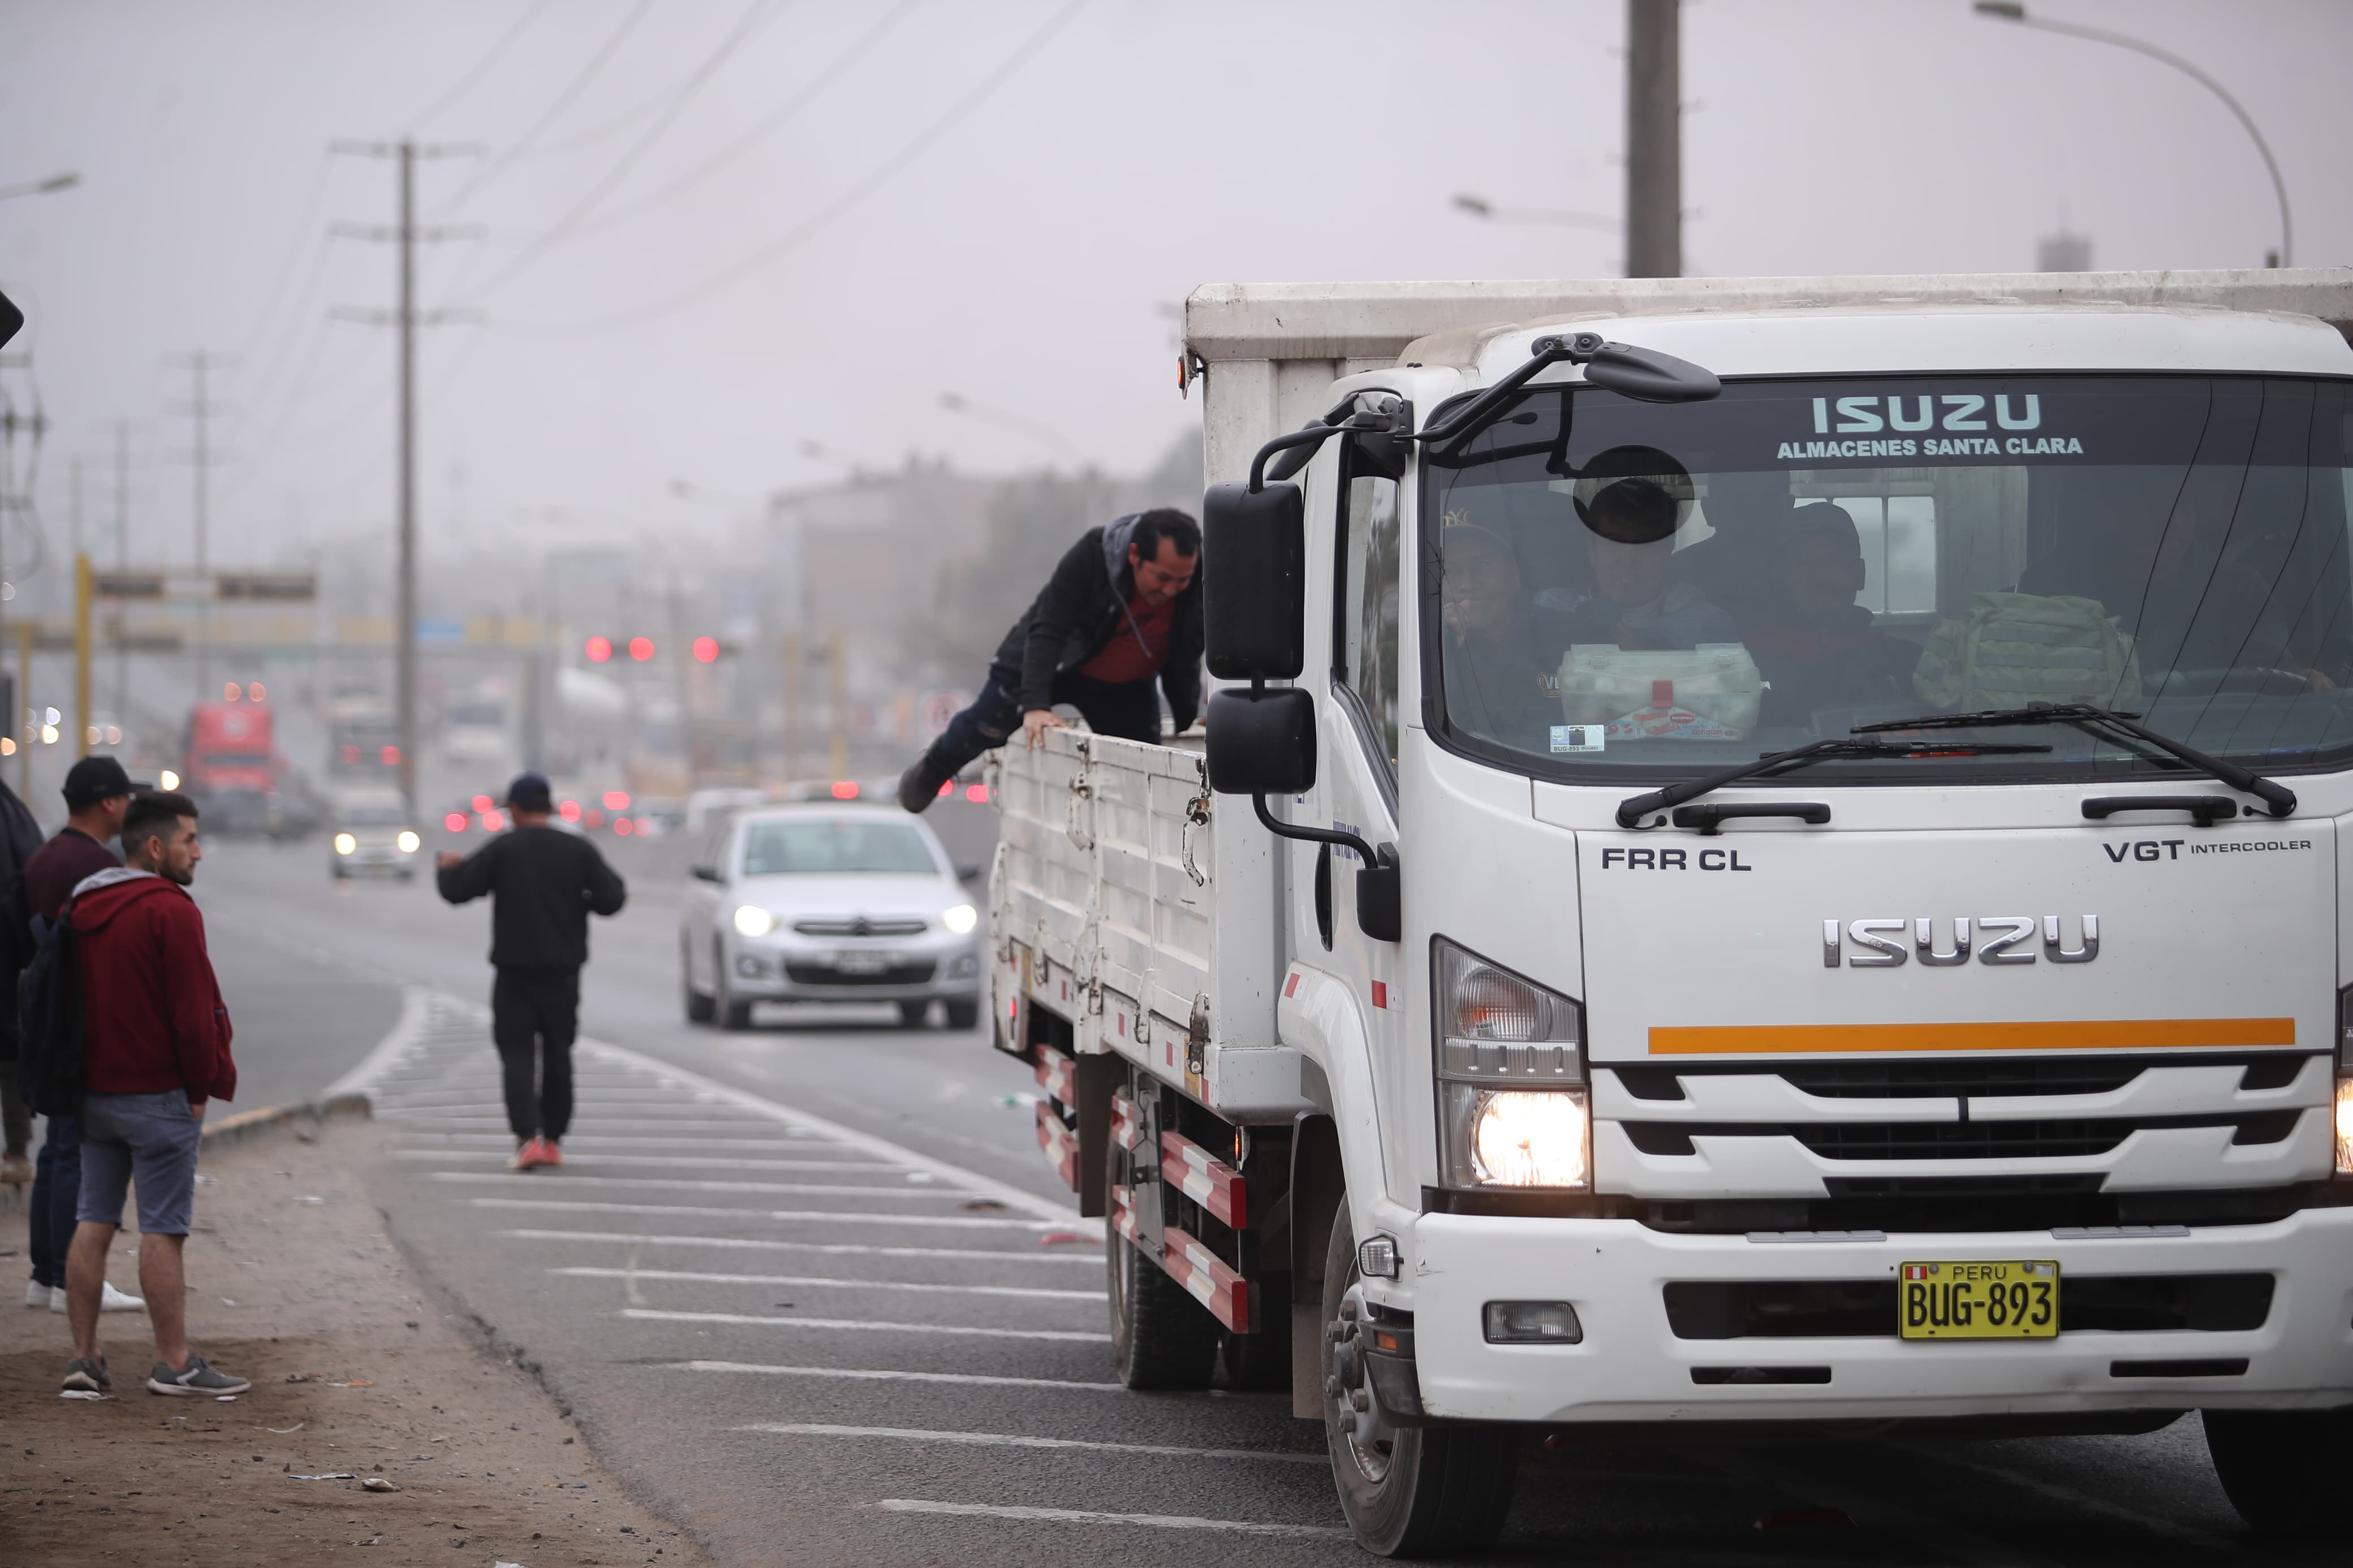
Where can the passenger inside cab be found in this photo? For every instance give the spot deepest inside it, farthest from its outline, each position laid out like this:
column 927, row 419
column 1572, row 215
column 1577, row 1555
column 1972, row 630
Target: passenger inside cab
column 1635, row 606
column 1503, row 651
column 1813, row 643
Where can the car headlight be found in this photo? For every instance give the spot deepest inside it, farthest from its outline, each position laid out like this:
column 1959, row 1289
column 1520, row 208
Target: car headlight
column 1513, row 1108
column 751, row 920
column 960, row 918
column 408, row 841
column 345, row 843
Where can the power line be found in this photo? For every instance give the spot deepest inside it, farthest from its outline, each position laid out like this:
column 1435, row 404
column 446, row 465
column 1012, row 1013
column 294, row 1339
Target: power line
column 573, row 89
column 482, row 68
column 840, row 206
column 744, row 27
column 807, row 94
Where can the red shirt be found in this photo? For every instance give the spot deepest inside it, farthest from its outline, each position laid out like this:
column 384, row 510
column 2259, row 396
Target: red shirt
column 57, row 866
column 1124, row 658
column 152, row 1019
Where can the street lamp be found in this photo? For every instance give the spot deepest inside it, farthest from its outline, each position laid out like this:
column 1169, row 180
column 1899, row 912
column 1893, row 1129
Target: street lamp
column 2003, row 11
column 55, row 182
column 1480, row 208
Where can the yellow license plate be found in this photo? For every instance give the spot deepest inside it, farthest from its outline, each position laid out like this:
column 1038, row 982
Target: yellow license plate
column 1978, row 1300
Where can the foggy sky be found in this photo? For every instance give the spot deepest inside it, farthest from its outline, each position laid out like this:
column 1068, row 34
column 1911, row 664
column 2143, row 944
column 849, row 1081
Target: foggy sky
column 1026, row 259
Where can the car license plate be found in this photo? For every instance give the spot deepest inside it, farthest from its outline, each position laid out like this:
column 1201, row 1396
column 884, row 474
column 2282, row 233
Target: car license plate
column 861, row 963
column 1979, row 1301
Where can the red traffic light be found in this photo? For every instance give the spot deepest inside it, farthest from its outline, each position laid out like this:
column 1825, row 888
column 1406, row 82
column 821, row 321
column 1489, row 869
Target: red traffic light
column 641, row 649
column 599, row 649
column 706, row 650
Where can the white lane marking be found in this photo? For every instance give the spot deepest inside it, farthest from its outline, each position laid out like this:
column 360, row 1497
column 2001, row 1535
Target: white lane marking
column 808, row 1281
column 407, row 1032
column 681, row 1184
column 425, row 1120
column 452, row 1013
column 1003, row 1440
column 863, row 1325
column 873, row 1374
column 1092, row 1516
column 597, row 1143
column 827, row 1216
column 658, row 1161
column 825, row 1249
column 2082, row 1500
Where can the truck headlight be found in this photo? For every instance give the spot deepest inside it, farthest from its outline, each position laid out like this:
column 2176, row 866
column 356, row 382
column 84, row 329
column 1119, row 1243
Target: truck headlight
column 1512, row 1109
column 345, row 843
column 751, row 920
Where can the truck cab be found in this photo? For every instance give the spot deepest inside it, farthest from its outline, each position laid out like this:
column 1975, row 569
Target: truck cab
column 1797, row 892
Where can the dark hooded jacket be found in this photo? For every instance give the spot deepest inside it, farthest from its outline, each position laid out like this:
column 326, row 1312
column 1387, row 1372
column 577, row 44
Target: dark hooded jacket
column 1082, row 606
column 152, row 1018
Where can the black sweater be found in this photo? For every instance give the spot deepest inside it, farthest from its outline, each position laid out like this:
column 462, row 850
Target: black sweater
column 1080, row 607
column 546, row 883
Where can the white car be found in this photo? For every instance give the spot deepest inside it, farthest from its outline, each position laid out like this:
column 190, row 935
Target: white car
column 372, row 835
column 828, row 904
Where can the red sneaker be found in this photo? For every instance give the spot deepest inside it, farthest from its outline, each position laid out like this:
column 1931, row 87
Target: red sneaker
column 549, row 1154
column 528, row 1155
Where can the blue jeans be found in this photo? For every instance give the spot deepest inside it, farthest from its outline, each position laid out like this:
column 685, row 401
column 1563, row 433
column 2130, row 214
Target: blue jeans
column 56, row 1194
column 1129, row 709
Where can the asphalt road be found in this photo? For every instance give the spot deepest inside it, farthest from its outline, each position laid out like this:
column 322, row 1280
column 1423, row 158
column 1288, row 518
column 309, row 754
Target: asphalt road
column 808, row 1291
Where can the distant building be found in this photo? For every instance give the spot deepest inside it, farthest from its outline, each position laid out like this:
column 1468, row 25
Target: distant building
column 2064, row 252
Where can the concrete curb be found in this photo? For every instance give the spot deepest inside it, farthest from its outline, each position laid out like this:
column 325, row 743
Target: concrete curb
column 248, row 1124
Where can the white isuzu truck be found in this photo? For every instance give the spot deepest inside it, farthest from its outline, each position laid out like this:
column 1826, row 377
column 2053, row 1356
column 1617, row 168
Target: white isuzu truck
column 1766, row 857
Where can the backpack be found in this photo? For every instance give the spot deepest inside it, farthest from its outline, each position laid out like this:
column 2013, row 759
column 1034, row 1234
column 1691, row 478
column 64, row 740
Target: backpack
column 48, row 1011
column 2011, row 650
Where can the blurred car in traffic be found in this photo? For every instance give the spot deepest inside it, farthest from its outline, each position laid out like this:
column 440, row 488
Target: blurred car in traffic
column 828, row 903
column 373, row 836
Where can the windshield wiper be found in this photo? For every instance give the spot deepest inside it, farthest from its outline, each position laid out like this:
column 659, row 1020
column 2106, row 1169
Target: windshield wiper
column 1632, row 811
column 2090, row 717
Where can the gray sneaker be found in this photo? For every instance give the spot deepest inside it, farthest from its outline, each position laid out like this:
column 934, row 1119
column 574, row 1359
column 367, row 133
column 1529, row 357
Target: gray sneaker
column 195, row 1378
column 84, row 1375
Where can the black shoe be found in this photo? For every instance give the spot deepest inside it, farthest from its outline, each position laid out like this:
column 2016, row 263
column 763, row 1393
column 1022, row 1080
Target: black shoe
column 920, row 784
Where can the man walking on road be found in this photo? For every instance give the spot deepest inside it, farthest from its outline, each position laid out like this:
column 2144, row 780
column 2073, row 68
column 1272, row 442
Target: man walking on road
column 98, row 795
column 1122, row 607
column 156, row 1050
column 544, row 883
column 20, row 839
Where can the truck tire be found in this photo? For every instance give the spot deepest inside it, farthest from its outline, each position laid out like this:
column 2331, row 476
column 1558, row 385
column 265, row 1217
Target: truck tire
column 2280, row 1468
column 1161, row 1338
column 1408, row 1491
column 699, row 1007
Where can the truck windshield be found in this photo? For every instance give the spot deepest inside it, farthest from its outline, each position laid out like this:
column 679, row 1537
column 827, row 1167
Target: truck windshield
column 1614, row 589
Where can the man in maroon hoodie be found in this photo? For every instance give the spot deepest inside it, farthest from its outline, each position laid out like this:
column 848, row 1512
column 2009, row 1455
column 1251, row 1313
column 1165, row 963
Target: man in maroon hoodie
column 155, row 1041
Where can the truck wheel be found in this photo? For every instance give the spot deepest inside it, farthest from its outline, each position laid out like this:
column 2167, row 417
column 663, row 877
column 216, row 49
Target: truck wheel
column 963, row 1015
column 1160, row 1337
column 1408, row 1491
column 699, row 1007
column 2280, row 1468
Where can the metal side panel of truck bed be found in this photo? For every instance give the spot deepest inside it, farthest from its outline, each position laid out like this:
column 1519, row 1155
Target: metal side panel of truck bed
column 1104, row 898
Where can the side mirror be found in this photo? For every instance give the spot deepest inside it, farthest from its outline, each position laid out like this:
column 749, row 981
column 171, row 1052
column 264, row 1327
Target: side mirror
column 1263, row 744
column 705, row 872
column 1254, row 582
column 967, row 871
column 1650, row 376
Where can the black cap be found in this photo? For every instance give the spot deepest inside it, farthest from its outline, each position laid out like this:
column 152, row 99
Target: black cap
column 529, row 792
column 94, row 779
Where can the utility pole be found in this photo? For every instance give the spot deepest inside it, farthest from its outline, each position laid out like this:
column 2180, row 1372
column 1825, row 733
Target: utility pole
column 81, row 654
column 792, row 704
column 1654, row 155
column 406, row 318
column 837, row 663
column 199, row 407
column 122, row 564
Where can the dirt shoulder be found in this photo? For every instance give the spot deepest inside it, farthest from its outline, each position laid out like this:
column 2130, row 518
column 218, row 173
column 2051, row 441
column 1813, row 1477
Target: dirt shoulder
column 356, row 1366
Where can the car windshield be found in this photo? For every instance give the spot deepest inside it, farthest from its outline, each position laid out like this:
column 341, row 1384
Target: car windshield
column 834, row 846
column 1616, row 589
column 374, row 817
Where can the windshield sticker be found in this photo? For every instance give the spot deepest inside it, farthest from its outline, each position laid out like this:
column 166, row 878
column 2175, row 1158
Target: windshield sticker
column 1579, row 737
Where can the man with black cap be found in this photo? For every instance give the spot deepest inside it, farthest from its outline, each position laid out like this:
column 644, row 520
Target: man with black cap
column 98, row 795
column 544, row 883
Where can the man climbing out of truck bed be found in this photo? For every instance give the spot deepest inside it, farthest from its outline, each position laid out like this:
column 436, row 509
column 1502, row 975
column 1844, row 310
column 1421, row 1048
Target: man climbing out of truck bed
column 1122, row 607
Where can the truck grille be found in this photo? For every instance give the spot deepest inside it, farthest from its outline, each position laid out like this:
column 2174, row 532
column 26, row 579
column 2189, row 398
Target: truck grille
column 1946, row 1079
column 1959, row 1140
column 1865, row 1309
column 914, row 973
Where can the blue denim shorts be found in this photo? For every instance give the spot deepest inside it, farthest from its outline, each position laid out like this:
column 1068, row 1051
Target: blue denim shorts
column 151, row 1138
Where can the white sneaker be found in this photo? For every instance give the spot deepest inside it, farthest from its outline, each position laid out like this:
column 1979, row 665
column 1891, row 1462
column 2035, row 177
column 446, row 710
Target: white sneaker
column 38, row 1294
column 113, row 1301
